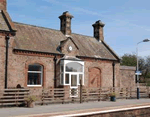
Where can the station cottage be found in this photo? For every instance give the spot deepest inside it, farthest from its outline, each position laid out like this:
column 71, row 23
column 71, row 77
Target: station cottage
column 36, row 57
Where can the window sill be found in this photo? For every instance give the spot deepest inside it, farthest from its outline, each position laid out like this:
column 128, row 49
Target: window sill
column 65, row 84
column 34, row 86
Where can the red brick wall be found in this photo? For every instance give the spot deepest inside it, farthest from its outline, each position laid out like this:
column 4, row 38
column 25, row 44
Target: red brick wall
column 106, row 72
column 2, row 61
column 18, row 66
column 127, row 75
column 142, row 112
column 66, row 46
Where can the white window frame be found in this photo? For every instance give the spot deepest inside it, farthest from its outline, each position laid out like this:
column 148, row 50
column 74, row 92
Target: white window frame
column 63, row 63
column 36, row 72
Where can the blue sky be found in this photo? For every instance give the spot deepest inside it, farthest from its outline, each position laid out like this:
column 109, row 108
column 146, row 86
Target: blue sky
column 127, row 21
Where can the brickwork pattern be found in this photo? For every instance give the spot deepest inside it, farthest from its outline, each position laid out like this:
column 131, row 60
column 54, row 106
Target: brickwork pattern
column 18, row 69
column 106, row 72
column 65, row 49
column 127, row 78
column 129, row 113
column 3, row 4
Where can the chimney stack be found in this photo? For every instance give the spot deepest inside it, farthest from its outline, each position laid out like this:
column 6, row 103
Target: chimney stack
column 65, row 23
column 98, row 30
column 3, row 4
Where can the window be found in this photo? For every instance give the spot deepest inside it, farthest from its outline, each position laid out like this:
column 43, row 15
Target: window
column 74, row 67
column 35, row 75
column 71, row 72
column 61, row 74
column 67, row 79
column 62, row 68
column 73, row 80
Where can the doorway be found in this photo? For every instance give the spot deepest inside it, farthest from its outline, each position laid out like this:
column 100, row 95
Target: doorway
column 74, row 78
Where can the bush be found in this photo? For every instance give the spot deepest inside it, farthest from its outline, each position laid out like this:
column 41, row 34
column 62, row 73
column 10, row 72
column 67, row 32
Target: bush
column 31, row 99
column 113, row 94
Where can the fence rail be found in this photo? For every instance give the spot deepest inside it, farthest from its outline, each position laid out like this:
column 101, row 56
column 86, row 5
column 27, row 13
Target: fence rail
column 90, row 94
column 62, row 95
column 12, row 97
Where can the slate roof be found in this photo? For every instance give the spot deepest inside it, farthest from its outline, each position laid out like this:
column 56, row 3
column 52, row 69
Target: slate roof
column 34, row 38
column 6, row 23
column 3, row 24
column 29, row 37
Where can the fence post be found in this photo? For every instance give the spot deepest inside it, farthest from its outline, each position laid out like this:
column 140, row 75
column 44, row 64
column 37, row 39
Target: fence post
column 52, row 93
column 42, row 97
column 63, row 98
column 130, row 92
column 99, row 95
column 147, row 90
column 80, row 90
column 126, row 93
column 15, row 98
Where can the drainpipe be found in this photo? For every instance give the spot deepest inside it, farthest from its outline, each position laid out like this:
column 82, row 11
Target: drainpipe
column 55, row 60
column 113, row 64
column 6, row 59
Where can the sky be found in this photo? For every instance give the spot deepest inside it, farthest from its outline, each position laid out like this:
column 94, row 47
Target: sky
column 127, row 22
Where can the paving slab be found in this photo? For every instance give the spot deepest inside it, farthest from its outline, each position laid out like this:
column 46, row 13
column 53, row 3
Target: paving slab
column 58, row 109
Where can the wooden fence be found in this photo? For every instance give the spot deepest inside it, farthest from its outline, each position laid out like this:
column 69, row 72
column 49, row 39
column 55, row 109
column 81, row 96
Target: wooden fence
column 57, row 95
column 61, row 95
column 16, row 97
column 13, row 97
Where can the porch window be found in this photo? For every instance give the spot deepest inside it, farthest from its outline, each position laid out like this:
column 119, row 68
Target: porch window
column 73, row 80
column 35, row 75
column 66, row 78
column 74, row 67
column 71, row 72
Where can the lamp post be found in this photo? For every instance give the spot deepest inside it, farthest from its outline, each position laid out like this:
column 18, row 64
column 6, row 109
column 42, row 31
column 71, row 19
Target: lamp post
column 138, row 91
column 113, row 64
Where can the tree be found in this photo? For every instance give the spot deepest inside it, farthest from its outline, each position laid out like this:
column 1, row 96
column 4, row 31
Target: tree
column 128, row 60
column 147, row 67
column 144, row 64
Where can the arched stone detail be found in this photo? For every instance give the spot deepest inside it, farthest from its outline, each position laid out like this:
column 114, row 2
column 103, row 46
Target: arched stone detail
column 94, row 65
column 95, row 79
column 35, row 62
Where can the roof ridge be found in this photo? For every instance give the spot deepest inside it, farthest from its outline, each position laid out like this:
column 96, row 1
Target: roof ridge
column 48, row 28
column 83, row 35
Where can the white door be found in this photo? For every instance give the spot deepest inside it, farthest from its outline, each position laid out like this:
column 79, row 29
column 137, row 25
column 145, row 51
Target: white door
column 74, row 84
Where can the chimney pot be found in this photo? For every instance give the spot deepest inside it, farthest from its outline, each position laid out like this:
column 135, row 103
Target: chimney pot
column 65, row 23
column 98, row 30
column 3, row 4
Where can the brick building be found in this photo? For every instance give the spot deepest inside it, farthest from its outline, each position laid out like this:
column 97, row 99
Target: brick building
column 40, row 57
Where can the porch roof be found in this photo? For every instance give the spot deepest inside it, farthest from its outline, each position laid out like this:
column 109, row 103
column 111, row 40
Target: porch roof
column 73, row 58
